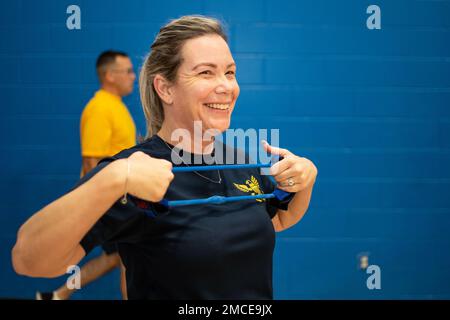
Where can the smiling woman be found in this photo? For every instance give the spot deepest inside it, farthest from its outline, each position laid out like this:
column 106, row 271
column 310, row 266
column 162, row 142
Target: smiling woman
column 189, row 75
column 209, row 251
column 205, row 88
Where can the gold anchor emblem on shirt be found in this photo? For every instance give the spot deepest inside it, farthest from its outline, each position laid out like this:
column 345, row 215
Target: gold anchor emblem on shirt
column 251, row 186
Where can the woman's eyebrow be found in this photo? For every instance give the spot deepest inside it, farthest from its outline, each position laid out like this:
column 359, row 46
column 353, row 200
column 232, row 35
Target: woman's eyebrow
column 212, row 65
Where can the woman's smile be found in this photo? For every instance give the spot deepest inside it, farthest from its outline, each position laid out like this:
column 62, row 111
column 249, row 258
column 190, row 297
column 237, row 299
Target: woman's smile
column 218, row 106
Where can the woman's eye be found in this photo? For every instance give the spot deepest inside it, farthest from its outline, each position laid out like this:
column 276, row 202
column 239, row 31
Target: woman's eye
column 207, row 72
column 231, row 72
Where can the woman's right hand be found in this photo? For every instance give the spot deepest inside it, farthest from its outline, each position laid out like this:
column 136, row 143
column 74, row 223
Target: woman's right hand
column 149, row 177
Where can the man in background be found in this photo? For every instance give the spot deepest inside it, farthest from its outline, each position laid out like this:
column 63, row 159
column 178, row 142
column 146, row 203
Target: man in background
column 106, row 128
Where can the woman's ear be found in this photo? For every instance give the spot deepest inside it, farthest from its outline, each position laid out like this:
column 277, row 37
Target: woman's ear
column 163, row 89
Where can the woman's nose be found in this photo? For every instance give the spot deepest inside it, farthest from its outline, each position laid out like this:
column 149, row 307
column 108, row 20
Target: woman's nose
column 224, row 85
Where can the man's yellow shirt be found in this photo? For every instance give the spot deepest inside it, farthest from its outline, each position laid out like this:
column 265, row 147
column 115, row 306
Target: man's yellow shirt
column 106, row 126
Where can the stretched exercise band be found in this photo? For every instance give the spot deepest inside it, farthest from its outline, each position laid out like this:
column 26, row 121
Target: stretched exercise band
column 277, row 193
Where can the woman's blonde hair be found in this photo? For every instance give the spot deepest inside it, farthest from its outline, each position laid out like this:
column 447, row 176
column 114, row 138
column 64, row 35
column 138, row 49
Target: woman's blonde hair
column 165, row 59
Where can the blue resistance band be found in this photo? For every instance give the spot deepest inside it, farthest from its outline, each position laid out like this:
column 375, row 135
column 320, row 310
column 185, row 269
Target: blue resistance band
column 277, row 193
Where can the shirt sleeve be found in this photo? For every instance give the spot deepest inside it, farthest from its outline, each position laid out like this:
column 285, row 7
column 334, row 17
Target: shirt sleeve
column 274, row 204
column 96, row 132
column 122, row 223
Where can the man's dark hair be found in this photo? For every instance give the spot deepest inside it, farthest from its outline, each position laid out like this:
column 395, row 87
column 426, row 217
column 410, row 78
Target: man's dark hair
column 105, row 59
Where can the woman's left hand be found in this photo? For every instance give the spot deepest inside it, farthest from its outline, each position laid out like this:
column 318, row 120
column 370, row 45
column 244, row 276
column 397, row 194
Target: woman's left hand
column 293, row 173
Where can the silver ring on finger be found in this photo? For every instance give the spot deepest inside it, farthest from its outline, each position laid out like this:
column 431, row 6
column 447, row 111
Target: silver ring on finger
column 290, row 182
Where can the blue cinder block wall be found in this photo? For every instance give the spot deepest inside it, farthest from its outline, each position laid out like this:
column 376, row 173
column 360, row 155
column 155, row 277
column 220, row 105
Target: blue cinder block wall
column 370, row 107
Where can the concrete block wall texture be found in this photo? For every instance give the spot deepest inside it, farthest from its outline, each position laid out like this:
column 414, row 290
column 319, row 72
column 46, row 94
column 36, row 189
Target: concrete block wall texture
column 369, row 107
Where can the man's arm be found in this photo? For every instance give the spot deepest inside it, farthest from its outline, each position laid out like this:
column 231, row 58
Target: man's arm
column 88, row 164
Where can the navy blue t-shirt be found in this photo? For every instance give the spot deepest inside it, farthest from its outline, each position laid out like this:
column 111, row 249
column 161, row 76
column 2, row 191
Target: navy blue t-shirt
column 193, row 252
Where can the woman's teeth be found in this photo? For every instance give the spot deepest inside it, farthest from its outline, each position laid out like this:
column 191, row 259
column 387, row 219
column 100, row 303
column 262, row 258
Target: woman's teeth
column 219, row 106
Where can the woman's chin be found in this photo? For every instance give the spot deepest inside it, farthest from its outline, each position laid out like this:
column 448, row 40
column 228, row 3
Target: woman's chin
column 221, row 125
column 216, row 124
